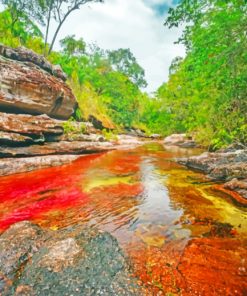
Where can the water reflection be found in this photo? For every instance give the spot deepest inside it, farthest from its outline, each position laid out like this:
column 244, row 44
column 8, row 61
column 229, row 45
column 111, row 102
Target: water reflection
column 153, row 206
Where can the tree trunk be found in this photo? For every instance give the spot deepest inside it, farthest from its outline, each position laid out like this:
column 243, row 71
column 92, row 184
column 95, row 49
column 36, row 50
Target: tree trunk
column 55, row 36
column 59, row 27
column 47, row 27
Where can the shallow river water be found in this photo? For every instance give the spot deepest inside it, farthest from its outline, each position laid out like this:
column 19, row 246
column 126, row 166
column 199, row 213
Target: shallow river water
column 183, row 237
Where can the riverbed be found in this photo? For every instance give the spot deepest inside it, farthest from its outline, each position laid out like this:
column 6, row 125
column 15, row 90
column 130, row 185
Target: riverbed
column 181, row 235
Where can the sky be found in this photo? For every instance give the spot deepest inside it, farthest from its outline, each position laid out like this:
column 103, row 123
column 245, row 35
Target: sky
column 134, row 24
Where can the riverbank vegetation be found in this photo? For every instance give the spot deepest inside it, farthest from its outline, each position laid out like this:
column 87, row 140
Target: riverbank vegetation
column 207, row 92
column 205, row 95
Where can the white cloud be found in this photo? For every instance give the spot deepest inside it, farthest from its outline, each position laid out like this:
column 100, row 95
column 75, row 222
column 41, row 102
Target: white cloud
column 129, row 24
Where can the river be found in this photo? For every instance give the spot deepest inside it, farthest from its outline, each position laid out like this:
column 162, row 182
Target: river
column 183, row 237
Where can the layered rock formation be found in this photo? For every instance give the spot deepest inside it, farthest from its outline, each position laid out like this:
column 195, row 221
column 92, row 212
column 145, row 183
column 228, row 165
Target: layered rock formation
column 23, row 54
column 34, row 102
column 41, row 126
column 27, row 88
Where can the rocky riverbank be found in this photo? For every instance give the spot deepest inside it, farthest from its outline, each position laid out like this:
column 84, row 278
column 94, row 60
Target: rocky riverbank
column 227, row 166
column 57, row 154
column 35, row 104
column 70, row 261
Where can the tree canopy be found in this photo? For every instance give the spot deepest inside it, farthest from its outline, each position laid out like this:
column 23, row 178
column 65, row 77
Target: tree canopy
column 205, row 94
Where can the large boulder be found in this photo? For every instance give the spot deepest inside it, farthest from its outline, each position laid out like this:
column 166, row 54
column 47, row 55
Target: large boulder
column 27, row 88
column 71, row 261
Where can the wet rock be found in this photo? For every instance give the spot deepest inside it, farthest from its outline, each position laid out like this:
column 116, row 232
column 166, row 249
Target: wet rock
column 239, row 186
column 101, row 124
column 233, row 147
column 10, row 166
column 70, row 261
column 229, row 171
column 129, row 140
column 223, row 166
column 82, row 137
column 181, row 140
column 155, row 136
column 25, row 159
column 17, row 246
column 61, row 254
column 26, row 88
column 200, row 269
column 135, row 132
column 219, row 165
column 218, row 229
column 188, row 144
column 175, row 139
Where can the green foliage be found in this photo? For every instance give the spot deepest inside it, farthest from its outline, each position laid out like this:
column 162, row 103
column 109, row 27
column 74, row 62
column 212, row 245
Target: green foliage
column 71, row 46
column 206, row 91
column 24, row 10
column 69, row 127
column 110, row 135
column 72, row 127
column 101, row 90
column 106, row 83
column 124, row 61
column 21, row 32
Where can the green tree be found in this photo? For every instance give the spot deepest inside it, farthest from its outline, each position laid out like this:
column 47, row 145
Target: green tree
column 21, row 32
column 207, row 90
column 59, row 10
column 23, row 10
column 124, row 61
column 71, row 46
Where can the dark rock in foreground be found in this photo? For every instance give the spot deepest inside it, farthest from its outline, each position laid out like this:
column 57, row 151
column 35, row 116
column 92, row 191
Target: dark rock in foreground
column 71, row 261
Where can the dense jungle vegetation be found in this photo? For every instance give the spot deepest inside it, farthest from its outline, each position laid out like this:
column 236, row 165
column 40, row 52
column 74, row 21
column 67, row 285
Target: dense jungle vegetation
column 206, row 94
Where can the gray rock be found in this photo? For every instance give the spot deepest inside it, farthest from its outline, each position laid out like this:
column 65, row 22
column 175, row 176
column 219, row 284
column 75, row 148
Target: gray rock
column 223, row 165
column 70, row 261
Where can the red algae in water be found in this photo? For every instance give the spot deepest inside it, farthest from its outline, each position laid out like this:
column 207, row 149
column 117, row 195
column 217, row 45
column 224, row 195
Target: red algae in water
column 59, row 201
column 31, row 195
column 182, row 237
